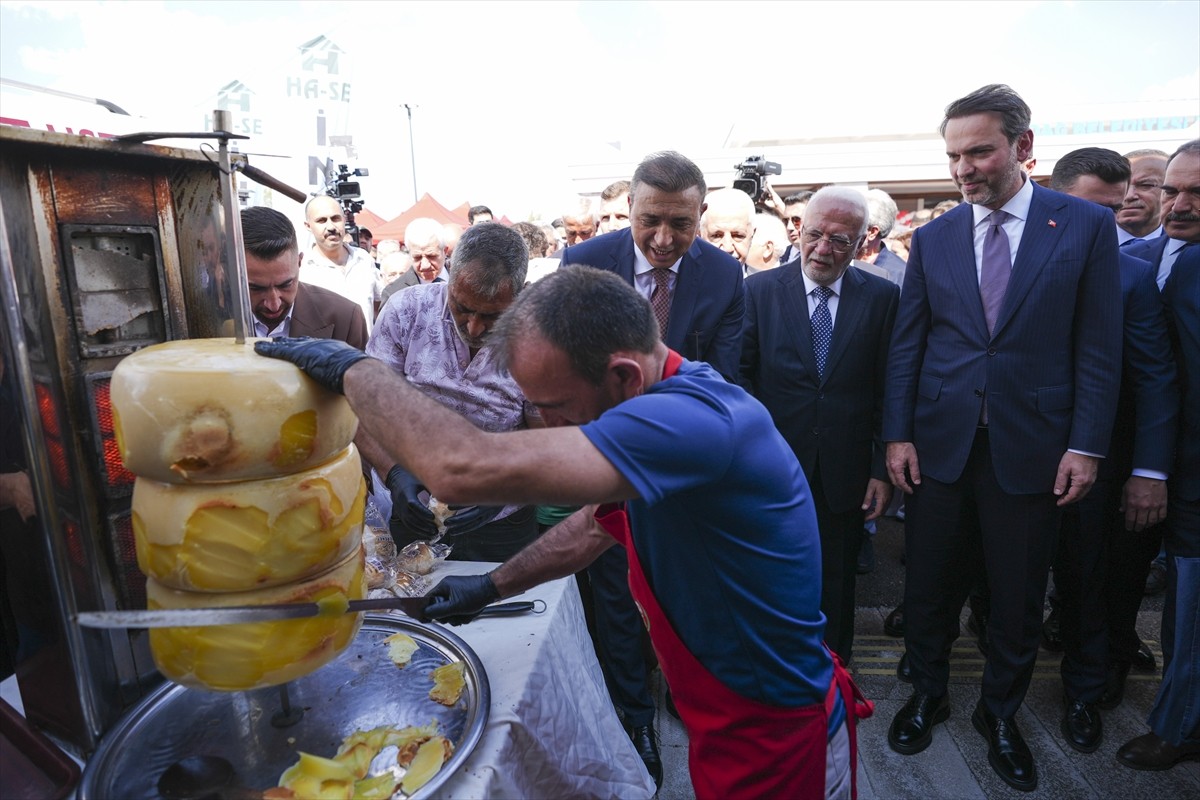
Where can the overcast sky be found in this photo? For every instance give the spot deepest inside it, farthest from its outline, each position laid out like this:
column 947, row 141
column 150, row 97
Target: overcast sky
column 507, row 95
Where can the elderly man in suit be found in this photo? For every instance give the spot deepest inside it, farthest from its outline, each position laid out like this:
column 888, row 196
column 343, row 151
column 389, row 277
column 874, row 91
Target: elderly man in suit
column 697, row 296
column 879, row 226
column 814, row 352
column 998, row 407
column 1175, row 719
column 282, row 304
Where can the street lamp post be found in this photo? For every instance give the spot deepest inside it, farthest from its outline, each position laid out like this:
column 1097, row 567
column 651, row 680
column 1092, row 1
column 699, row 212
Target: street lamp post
column 412, row 150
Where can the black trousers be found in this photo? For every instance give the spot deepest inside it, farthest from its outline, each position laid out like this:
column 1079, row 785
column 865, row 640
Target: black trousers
column 841, row 538
column 948, row 527
column 1099, row 578
column 618, row 635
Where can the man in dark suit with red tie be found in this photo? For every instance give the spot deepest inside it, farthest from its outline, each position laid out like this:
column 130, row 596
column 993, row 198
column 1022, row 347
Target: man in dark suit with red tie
column 998, row 407
column 696, row 293
column 814, row 352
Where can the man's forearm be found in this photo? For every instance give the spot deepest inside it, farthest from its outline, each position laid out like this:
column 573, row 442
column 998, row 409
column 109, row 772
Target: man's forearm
column 563, row 550
column 402, row 422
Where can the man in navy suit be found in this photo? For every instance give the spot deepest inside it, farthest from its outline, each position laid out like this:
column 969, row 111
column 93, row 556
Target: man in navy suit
column 998, row 407
column 1108, row 538
column 704, row 284
column 1175, row 719
column 1137, row 221
column 697, row 294
column 826, row 399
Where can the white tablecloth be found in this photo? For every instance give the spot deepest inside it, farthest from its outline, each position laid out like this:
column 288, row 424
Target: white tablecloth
column 552, row 730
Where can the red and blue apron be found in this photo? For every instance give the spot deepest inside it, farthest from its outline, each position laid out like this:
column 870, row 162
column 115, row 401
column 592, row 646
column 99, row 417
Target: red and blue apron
column 738, row 747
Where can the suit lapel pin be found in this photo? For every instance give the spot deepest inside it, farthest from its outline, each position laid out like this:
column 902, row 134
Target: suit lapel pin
column 1053, row 224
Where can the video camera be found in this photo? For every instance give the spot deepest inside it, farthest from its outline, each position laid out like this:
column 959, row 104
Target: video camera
column 347, row 192
column 752, row 176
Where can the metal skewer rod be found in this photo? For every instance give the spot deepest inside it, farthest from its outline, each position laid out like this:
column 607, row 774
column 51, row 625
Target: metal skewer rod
column 235, row 256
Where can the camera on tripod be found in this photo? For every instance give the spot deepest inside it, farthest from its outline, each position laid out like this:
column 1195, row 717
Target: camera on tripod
column 752, row 175
column 347, row 192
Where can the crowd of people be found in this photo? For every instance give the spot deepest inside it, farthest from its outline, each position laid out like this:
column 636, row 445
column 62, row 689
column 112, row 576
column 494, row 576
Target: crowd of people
column 699, row 401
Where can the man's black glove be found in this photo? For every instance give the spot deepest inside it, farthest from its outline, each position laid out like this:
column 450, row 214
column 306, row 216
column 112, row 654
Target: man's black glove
column 470, row 519
column 323, row 360
column 409, row 515
column 458, row 599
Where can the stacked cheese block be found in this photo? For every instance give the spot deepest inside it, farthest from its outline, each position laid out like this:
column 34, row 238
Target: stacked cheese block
column 248, row 492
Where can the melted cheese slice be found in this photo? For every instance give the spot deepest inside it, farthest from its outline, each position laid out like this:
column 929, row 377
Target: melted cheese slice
column 203, row 410
column 232, row 658
column 230, row 537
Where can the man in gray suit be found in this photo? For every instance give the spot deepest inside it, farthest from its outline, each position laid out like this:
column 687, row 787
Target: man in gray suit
column 998, row 407
column 282, row 305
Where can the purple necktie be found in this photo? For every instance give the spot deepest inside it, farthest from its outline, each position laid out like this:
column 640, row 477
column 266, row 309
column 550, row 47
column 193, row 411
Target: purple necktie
column 994, row 269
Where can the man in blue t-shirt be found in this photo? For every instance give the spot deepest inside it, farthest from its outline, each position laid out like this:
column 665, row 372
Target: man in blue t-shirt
column 722, row 539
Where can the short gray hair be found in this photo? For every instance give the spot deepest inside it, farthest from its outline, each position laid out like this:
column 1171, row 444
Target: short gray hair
column 846, row 195
column 882, row 211
column 489, row 258
column 422, row 230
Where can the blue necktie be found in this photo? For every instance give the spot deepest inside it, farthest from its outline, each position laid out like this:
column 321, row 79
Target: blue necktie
column 822, row 327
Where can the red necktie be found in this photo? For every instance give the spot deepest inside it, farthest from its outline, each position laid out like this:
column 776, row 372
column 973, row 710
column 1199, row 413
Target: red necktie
column 660, row 299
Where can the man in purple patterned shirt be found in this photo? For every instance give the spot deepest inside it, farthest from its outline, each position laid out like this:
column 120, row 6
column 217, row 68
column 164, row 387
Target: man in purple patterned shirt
column 435, row 334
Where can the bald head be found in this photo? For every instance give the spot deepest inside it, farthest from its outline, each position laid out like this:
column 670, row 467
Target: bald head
column 324, row 219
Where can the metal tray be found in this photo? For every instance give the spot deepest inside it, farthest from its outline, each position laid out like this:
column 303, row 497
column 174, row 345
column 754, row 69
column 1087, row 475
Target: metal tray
column 359, row 690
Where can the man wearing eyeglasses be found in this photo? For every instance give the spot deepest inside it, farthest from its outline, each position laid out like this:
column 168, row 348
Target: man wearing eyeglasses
column 999, row 404
column 814, row 352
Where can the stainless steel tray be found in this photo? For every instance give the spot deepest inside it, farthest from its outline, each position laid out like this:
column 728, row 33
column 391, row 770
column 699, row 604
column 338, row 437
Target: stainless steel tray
column 359, row 690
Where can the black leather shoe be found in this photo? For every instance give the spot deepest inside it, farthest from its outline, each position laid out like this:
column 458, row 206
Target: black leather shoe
column 912, row 728
column 1052, row 633
column 1007, row 751
column 1152, row 753
column 1143, row 659
column 1114, row 686
column 1081, row 725
column 645, row 741
column 977, row 624
column 904, row 669
column 893, row 624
